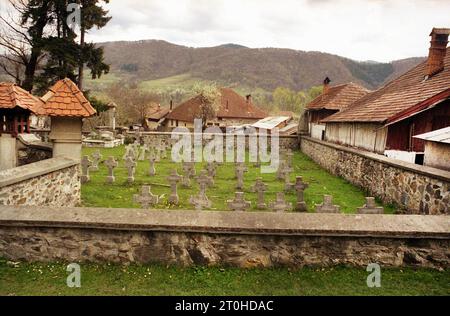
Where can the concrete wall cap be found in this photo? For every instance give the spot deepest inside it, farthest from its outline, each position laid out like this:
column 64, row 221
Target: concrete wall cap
column 36, row 169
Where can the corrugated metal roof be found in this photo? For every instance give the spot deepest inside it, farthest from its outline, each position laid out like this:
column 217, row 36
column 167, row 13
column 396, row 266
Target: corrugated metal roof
column 441, row 135
column 270, row 122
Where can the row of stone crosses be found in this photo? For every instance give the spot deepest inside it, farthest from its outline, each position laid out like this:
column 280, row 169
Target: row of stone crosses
column 206, row 178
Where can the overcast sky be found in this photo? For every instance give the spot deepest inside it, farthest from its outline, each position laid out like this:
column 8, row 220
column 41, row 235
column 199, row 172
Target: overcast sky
column 380, row 30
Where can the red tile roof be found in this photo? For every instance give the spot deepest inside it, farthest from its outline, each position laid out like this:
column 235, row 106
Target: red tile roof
column 11, row 96
column 65, row 99
column 156, row 112
column 232, row 105
column 397, row 96
column 338, row 97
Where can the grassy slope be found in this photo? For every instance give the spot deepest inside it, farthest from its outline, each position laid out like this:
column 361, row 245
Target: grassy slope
column 120, row 194
column 105, row 279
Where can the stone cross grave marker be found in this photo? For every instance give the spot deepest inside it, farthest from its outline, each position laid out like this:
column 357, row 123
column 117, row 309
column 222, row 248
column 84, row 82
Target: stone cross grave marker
column 280, row 204
column 281, row 169
column 240, row 169
column 85, row 164
column 111, row 163
column 257, row 163
column 130, row 164
column 173, row 179
column 142, row 152
column 260, row 187
column 151, row 170
column 327, row 205
column 370, row 207
column 135, row 150
column 146, row 198
column 211, row 168
column 300, row 187
column 201, row 201
column 289, row 156
column 189, row 172
column 288, row 186
column 163, row 148
column 127, row 152
column 96, row 157
column 130, row 153
column 239, row 204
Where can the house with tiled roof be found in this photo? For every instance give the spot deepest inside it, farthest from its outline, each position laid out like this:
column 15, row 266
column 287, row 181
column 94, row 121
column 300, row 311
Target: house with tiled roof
column 233, row 110
column 155, row 115
column 385, row 121
column 16, row 106
column 333, row 99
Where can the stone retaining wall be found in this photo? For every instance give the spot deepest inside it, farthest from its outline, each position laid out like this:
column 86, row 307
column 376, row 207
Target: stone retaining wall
column 223, row 238
column 284, row 140
column 413, row 188
column 52, row 181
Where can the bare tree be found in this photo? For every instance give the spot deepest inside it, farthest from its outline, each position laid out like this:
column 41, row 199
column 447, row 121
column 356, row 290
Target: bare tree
column 210, row 97
column 20, row 56
column 132, row 103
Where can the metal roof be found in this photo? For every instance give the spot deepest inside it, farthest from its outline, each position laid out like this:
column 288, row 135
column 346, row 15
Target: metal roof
column 441, row 135
column 270, row 122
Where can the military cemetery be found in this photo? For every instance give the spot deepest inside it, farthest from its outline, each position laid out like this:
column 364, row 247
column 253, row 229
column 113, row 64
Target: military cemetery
column 206, row 189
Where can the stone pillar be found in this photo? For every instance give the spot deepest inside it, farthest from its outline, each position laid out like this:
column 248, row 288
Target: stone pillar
column 66, row 137
column 8, row 152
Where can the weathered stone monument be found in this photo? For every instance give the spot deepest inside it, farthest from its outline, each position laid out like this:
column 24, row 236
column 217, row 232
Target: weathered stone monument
column 300, row 187
column 189, row 172
column 327, row 205
column 85, row 165
column 239, row 204
column 240, row 169
column 173, row 179
column 280, row 204
column 260, row 187
column 370, row 207
column 146, row 198
column 130, row 164
column 96, row 157
column 111, row 163
column 201, row 201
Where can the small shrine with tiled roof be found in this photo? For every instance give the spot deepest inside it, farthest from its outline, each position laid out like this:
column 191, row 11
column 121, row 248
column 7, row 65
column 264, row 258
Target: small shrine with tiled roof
column 16, row 106
column 67, row 106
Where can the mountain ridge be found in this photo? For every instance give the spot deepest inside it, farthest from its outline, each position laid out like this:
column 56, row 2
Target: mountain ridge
column 235, row 64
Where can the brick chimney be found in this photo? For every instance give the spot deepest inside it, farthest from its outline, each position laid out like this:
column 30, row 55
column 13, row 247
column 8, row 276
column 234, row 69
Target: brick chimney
column 438, row 48
column 249, row 101
column 326, row 85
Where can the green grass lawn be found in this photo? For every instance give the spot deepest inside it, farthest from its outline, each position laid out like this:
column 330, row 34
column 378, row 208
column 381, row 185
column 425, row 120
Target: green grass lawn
column 108, row 279
column 120, row 194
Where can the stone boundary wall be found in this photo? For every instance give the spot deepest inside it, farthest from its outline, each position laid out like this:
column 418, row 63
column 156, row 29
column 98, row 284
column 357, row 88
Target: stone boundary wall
column 243, row 239
column 285, row 141
column 52, row 181
column 413, row 188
